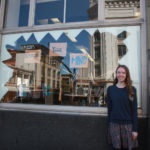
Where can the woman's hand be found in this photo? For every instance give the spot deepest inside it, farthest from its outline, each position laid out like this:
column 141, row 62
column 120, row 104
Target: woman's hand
column 134, row 135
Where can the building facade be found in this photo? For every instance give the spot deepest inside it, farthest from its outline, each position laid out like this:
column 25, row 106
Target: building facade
column 57, row 58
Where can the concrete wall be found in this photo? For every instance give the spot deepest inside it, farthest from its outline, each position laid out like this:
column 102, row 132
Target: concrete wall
column 49, row 131
column 149, row 125
column 148, row 45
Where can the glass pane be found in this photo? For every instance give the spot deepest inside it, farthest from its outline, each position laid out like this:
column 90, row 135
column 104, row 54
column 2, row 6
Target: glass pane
column 49, row 11
column 17, row 13
column 116, row 9
column 81, row 10
column 74, row 68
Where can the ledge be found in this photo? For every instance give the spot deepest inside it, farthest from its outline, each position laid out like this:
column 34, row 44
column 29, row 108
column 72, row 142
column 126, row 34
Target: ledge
column 60, row 109
column 76, row 25
column 56, row 109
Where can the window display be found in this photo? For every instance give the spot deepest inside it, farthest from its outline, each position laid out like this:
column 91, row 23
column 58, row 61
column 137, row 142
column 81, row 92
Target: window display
column 71, row 67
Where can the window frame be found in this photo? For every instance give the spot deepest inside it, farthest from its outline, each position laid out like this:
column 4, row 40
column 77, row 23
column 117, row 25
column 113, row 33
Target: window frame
column 101, row 22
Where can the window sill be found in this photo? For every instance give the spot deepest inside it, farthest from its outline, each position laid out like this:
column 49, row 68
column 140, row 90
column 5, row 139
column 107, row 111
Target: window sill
column 56, row 109
column 73, row 25
column 60, row 109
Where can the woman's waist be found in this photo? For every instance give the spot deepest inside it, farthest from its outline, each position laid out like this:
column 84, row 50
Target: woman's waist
column 120, row 121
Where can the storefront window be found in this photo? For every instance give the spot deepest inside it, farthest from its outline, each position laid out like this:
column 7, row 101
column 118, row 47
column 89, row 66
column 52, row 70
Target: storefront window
column 74, row 68
column 118, row 9
column 49, row 12
column 17, row 13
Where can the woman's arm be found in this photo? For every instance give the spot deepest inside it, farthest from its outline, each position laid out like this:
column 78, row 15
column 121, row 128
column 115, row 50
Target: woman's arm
column 134, row 116
column 109, row 103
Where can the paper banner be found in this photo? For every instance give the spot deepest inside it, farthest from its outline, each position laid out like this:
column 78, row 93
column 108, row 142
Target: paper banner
column 32, row 56
column 78, row 60
column 58, row 48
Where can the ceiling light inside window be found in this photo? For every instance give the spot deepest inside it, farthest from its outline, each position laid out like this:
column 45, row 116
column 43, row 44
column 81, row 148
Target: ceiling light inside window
column 85, row 52
column 55, row 20
column 71, row 38
column 43, row 21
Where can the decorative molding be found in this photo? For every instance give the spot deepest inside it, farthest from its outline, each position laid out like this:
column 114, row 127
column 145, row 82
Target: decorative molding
column 122, row 4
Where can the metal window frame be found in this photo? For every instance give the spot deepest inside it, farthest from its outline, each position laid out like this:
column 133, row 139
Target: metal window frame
column 31, row 13
column 101, row 22
column 2, row 9
column 64, row 17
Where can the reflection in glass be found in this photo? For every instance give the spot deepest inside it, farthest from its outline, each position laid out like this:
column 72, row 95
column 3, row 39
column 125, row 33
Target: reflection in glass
column 85, row 10
column 49, row 12
column 64, row 72
column 30, row 82
column 122, row 9
column 17, row 17
column 122, row 49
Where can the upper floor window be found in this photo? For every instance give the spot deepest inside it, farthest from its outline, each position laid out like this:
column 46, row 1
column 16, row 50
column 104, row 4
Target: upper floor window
column 66, row 11
column 122, row 35
column 16, row 13
column 85, row 10
column 52, row 11
column 49, row 12
column 121, row 50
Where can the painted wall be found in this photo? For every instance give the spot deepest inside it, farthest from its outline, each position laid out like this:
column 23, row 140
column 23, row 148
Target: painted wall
column 49, row 131
column 148, row 39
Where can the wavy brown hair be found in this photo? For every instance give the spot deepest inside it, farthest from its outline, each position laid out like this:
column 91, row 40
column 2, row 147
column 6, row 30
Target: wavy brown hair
column 128, row 81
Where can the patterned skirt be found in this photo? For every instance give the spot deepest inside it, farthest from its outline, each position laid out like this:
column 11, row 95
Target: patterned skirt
column 120, row 136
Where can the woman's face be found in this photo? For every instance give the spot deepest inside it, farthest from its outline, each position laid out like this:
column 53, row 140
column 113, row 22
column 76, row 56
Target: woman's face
column 121, row 74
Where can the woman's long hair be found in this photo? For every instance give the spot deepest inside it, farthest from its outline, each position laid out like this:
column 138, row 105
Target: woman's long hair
column 128, row 81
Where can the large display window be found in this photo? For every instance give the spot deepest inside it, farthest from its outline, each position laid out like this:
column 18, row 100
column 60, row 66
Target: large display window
column 67, row 67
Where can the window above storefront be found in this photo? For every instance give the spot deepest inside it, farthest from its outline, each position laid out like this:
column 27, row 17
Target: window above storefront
column 27, row 13
column 78, row 11
column 16, row 13
column 49, row 12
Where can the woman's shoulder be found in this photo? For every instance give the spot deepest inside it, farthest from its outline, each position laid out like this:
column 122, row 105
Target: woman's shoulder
column 111, row 87
column 134, row 89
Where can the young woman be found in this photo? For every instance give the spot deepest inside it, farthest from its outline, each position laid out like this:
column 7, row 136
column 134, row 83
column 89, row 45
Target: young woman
column 122, row 111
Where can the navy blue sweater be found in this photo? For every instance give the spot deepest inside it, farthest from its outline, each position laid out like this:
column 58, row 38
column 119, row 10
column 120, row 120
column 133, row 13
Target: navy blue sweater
column 121, row 109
